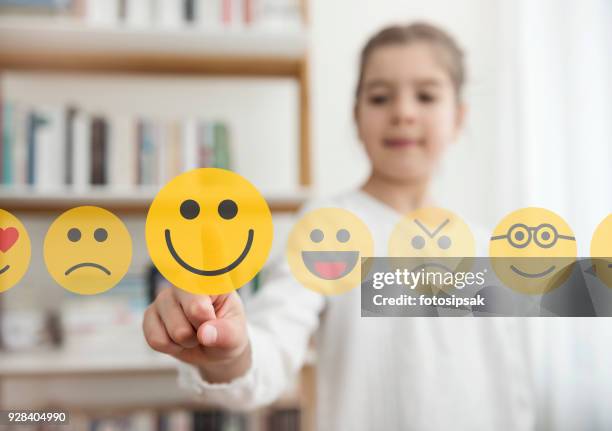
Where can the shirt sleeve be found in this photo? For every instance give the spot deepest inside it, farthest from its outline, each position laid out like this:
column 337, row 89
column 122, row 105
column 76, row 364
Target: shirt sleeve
column 281, row 318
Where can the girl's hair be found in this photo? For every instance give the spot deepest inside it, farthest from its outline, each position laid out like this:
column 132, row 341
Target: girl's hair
column 449, row 52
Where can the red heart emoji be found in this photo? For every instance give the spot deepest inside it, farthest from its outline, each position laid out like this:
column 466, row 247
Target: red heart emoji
column 8, row 237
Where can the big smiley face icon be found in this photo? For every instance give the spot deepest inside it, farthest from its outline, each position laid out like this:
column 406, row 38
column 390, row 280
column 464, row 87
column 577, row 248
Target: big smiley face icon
column 87, row 250
column 324, row 250
column 14, row 250
column 209, row 231
column 533, row 250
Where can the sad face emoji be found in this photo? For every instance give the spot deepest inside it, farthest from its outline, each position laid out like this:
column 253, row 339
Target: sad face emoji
column 209, row 231
column 87, row 250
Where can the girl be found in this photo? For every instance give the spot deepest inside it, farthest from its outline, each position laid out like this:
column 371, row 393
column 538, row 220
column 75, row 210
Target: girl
column 372, row 373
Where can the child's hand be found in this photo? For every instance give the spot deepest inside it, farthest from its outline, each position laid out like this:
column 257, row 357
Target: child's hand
column 206, row 331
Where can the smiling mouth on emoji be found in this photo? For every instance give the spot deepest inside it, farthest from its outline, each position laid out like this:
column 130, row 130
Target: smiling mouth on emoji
column 530, row 275
column 87, row 264
column 212, row 272
column 3, row 270
column 330, row 265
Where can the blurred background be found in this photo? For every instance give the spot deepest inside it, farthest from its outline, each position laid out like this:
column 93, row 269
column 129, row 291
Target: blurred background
column 103, row 101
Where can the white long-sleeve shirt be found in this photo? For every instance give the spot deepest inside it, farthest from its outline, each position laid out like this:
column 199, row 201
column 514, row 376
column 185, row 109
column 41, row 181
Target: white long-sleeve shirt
column 377, row 373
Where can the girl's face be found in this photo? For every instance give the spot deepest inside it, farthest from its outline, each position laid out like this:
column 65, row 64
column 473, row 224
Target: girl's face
column 407, row 112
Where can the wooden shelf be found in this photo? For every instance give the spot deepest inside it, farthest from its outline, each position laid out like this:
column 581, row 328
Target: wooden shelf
column 135, row 200
column 26, row 378
column 66, row 45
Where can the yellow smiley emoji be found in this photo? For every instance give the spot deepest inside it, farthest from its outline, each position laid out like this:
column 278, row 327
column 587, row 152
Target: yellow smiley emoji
column 324, row 250
column 432, row 232
column 87, row 250
column 601, row 251
column 14, row 250
column 533, row 250
column 209, row 231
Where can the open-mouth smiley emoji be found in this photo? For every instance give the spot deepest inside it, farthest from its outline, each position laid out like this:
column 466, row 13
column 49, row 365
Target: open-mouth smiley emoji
column 87, row 250
column 533, row 250
column 324, row 250
column 330, row 265
column 209, row 231
column 14, row 250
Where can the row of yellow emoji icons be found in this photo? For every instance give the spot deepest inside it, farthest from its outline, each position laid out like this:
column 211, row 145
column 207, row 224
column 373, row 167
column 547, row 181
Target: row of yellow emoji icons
column 210, row 231
column 532, row 249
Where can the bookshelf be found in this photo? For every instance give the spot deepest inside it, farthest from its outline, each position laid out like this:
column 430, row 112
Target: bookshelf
column 64, row 379
column 65, row 46
column 71, row 46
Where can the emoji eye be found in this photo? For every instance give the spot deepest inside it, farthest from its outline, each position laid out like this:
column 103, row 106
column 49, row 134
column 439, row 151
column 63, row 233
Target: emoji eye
column 444, row 242
column 316, row 235
column 546, row 236
column 74, row 234
column 228, row 209
column 190, row 209
column 343, row 235
column 418, row 242
column 100, row 234
column 519, row 236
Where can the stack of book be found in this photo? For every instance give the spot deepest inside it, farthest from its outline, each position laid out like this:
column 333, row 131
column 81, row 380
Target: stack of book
column 167, row 13
column 68, row 148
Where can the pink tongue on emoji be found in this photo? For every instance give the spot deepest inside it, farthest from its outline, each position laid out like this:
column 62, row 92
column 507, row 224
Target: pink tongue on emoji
column 8, row 237
column 330, row 270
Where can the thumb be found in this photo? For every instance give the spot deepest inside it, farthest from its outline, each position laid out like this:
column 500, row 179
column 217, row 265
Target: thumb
column 222, row 333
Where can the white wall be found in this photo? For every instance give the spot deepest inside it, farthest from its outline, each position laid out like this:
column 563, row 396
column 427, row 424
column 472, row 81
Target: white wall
column 339, row 29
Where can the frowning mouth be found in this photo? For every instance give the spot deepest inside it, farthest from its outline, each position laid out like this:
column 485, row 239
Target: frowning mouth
column 529, row 275
column 212, row 272
column 85, row 265
column 330, row 265
column 3, row 270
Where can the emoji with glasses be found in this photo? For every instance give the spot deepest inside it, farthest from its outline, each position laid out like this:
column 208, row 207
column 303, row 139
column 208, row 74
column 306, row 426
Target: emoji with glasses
column 533, row 250
column 434, row 239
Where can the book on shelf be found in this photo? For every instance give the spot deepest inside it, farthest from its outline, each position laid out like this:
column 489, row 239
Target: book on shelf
column 167, row 14
column 284, row 420
column 64, row 147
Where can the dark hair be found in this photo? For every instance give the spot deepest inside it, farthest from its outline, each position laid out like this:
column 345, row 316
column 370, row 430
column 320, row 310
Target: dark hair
column 450, row 54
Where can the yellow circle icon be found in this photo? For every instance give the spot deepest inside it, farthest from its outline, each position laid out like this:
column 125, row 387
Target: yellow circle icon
column 435, row 240
column 87, row 250
column 601, row 251
column 533, row 250
column 209, row 231
column 432, row 232
column 324, row 250
column 14, row 250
